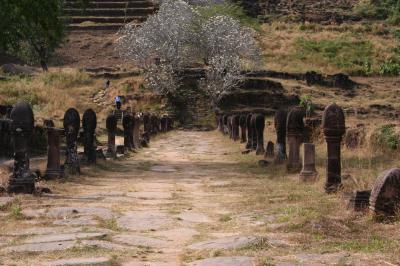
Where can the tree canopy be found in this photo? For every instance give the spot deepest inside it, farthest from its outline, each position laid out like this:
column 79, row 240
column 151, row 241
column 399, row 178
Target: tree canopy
column 31, row 29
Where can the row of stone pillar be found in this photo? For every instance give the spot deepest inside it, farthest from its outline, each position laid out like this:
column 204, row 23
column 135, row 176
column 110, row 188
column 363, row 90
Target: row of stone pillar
column 289, row 126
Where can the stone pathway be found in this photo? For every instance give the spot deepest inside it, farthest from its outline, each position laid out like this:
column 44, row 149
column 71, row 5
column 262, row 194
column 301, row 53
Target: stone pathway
column 168, row 205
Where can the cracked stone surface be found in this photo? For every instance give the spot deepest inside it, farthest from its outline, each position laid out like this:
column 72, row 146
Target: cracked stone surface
column 181, row 202
column 224, row 261
column 227, row 242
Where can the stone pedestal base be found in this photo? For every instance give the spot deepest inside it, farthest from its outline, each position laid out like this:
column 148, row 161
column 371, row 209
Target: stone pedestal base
column 22, row 185
column 306, row 176
column 54, row 174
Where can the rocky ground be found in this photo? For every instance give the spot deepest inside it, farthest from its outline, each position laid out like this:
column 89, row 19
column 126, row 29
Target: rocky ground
column 190, row 199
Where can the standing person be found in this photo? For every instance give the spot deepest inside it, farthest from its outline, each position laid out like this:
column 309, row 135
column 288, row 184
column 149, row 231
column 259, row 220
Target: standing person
column 118, row 102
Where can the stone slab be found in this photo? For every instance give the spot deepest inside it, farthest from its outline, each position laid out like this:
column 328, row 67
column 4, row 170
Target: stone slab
column 144, row 220
column 79, row 261
column 149, row 263
column 150, row 195
column 5, row 201
column 62, row 237
column 41, row 247
column 138, row 240
column 194, row 217
column 229, row 242
column 163, row 169
column 224, row 261
column 78, row 221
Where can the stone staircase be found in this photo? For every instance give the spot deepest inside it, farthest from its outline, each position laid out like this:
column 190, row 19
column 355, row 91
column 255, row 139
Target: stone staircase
column 106, row 14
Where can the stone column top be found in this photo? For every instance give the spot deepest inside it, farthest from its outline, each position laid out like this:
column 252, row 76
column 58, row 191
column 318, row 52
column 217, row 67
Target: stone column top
column 333, row 121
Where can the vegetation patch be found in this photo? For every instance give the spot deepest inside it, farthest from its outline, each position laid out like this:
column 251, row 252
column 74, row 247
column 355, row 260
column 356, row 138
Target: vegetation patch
column 351, row 55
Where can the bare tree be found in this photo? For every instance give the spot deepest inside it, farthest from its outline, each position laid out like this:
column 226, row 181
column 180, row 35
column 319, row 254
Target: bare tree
column 176, row 37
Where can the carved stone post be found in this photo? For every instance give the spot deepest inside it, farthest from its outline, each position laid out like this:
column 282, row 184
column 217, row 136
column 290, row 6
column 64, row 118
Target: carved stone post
column 72, row 123
column 136, row 131
column 53, row 170
column 259, row 126
column 111, row 125
column 333, row 124
column 249, row 126
column 243, row 128
column 89, row 124
column 235, row 127
column 22, row 179
column 270, row 150
column 280, row 128
column 308, row 172
column 294, row 132
column 128, row 125
column 147, row 123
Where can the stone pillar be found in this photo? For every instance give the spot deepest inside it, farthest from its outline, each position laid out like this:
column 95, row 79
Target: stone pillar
column 259, row 128
column 294, row 133
column 243, row 128
column 333, row 124
column 147, row 123
column 127, row 124
column 111, row 125
column 270, row 150
column 72, row 124
column 249, row 126
column 235, row 127
column 136, row 131
column 280, row 128
column 22, row 179
column 53, row 170
column 89, row 124
column 308, row 172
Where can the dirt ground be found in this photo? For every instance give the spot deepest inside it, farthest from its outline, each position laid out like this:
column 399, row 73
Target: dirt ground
column 191, row 198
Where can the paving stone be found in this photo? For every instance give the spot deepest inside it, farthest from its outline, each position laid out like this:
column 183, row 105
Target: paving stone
column 180, row 235
column 62, row 237
column 144, row 220
column 150, row 195
column 79, row 261
column 224, row 261
column 149, row 263
column 79, row 221
column 227, row 243
column 163, row 169
column 41, row 247
column 62, row 212
column 5, row 201
column 194, row 217
column 102, row 244
column 138, row 240
column 41, row 231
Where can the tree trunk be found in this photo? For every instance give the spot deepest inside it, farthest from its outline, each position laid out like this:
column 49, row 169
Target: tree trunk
column 44, row 65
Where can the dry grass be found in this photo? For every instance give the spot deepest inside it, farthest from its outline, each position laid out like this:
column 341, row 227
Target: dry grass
column 280, row 43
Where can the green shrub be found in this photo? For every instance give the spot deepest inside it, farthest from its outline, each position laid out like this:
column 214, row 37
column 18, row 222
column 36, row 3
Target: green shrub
column 307, row 104
column 387, row 137
column 64, row 80
column 13, row 95
column 390, row 67
column 229, row 9
column 348, row 54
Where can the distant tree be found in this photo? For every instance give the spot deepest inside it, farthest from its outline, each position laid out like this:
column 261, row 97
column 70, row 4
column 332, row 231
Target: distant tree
column 31, row 29
column 179, row 36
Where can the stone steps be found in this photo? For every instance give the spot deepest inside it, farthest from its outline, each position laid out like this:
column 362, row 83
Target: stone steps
column 110, row 5
column 106, row 15
column 94, row 19
column 106, row 12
